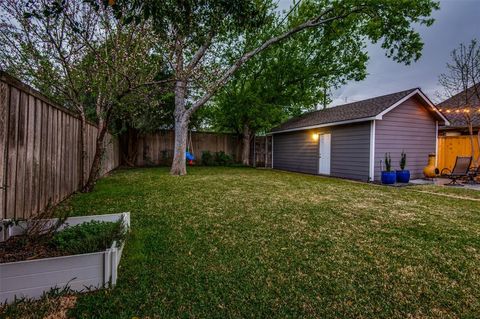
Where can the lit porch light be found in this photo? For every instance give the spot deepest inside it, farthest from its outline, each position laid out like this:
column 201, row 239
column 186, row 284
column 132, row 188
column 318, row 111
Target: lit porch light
column 315, row 136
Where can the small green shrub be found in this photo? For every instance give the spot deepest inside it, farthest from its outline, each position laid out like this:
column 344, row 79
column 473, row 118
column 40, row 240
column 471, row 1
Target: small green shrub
column 223, row 159
column 208, row 158
column 89, row 237
column 216, row 159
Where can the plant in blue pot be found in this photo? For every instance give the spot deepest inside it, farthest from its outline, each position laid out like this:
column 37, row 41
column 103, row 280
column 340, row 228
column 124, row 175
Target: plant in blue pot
column 388, row 176
column 403, row 175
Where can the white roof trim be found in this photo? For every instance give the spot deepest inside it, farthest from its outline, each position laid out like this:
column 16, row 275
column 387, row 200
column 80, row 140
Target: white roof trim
column 424, row 98
column 377, row 117
column 303, row 128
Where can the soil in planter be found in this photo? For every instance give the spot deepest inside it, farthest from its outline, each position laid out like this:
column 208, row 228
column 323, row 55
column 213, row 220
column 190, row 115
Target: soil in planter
column 80, row 239
column 19, row 248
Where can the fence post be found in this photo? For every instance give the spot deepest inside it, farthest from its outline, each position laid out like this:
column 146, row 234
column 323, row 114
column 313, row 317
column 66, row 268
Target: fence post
column 82, row 145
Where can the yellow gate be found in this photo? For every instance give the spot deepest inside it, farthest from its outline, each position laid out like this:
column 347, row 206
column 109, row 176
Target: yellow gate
column 449, row 147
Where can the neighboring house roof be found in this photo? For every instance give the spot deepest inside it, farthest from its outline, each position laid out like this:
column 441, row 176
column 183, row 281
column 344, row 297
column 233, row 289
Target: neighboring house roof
column 454, row 108
column 365, row 110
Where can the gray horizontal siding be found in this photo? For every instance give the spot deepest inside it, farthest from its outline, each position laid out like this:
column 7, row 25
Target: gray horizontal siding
column 351, row 151
column 298, row 152
column 408, row 127
column 295, row 151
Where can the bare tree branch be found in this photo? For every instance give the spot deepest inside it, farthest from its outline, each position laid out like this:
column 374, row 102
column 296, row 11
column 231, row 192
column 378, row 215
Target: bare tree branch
column 197, row 57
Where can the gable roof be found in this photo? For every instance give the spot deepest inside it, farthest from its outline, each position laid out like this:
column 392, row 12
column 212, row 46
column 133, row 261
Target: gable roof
column 454, row 106
column 365, row 110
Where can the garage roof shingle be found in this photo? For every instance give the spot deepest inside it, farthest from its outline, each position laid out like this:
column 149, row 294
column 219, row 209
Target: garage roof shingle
column 346, row 112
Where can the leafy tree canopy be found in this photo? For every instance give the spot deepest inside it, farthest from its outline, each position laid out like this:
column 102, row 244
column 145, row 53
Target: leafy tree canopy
column 288, row 79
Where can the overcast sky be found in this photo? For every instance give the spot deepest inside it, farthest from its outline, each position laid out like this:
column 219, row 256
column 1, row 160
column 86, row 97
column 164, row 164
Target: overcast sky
column 457, row 21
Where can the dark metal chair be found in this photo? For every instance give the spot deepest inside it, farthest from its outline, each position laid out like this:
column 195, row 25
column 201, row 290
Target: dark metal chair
column 461, row 169
column 472, row 175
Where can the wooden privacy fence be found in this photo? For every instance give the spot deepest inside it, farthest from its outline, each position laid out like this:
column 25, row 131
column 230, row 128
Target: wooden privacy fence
column 40, row 153
column 449, row 147
column 157, row 148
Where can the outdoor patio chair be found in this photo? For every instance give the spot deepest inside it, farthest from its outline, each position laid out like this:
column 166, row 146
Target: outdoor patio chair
column 461, row 169
column 473, row 174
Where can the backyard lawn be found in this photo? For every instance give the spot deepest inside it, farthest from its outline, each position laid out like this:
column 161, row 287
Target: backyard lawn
column 240, row 242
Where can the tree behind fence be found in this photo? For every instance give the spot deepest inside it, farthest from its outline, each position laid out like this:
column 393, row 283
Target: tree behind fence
column 40, row 161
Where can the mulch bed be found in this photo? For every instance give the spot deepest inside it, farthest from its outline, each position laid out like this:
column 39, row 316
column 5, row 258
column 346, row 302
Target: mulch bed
column 18, row 248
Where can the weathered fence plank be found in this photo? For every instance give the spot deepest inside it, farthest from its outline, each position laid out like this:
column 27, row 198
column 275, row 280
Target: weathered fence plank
column 56, row 154
column 36, row 155
column 20, row 177
column 30, row 129
column 50, row 177
column 12, row 153
column 4, row 112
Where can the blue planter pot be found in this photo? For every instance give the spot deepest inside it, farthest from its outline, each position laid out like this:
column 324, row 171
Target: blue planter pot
column 403, row 176
column 389, row 177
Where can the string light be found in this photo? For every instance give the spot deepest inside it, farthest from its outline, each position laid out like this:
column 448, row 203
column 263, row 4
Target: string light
column 459, row 110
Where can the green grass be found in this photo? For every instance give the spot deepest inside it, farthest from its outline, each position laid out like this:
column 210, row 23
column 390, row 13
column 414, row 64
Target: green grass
column 239, row 242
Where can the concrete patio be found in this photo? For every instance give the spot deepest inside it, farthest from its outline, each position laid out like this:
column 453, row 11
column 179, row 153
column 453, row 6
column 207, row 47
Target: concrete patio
column 443, row 182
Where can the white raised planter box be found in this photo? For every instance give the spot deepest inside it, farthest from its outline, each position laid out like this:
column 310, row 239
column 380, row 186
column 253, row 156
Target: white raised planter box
column 82, row 272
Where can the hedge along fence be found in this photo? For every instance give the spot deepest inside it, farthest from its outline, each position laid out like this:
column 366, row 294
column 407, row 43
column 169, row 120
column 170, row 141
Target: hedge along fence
column 157, row 148
column 40, row 151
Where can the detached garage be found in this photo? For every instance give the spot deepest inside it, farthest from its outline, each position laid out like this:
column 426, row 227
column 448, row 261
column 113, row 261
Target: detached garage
column 350, row 140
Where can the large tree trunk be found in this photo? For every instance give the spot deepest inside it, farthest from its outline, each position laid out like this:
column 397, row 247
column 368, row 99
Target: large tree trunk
column 97, row 159
column 179, row 166
column 182, row 118
column 246, row 145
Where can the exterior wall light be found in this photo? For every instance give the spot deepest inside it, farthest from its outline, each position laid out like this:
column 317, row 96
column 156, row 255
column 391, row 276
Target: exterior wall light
column 315, row 136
